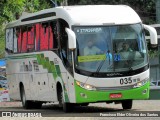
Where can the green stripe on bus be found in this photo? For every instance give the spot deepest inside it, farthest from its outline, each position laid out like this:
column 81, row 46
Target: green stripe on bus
column 54, row 69
column 58, row 70
column 21, row 57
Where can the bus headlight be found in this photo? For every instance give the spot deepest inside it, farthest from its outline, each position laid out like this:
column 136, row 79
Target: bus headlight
column 140, row 83
column 85, row 86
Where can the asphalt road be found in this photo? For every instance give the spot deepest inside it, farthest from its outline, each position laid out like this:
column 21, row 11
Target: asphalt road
column 100, row 110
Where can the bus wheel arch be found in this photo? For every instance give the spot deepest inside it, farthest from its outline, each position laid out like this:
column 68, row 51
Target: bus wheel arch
column 67, row 107
column 59, row 94
column 21, row 86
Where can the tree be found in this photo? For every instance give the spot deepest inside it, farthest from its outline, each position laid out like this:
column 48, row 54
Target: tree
column 12, row 9
column 145, row 8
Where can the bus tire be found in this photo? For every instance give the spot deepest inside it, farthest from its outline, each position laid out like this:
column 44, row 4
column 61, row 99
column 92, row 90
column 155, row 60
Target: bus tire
column 127, row 104
column 60, row 97
column 67, row 107
column 37, row 105
column 25, row 103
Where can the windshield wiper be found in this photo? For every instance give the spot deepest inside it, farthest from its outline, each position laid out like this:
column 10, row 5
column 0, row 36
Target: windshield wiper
column 129, row 62
column 100, row 66
column 102, row 62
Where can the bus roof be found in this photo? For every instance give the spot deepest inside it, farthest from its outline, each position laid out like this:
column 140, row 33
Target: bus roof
column 83, row 15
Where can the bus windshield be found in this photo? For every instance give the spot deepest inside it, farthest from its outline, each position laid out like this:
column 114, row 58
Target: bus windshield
column 115, row 48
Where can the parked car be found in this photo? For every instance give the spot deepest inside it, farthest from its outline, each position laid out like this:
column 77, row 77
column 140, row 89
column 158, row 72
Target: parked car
column 3, row 82
column 157, row 83
column 154, row 92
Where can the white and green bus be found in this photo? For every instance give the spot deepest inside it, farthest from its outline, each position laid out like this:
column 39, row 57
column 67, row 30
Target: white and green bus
column 48, row 56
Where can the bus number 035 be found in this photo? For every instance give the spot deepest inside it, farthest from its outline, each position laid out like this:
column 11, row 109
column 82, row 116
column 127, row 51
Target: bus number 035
column 125, row 81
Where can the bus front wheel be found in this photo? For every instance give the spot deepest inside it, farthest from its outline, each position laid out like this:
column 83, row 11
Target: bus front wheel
column 67, row 107
column 37, row 105
column 127, row 104
column 84, row 104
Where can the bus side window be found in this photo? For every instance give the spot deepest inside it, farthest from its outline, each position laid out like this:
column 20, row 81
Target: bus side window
column 37, row 38
column 30, row 41
column 9, row 40
column 44, row 35
column 19, row 39
column 63, row 41
column 53, row 39
column 50, row 37
column 15, row 41
column 24, row 39
column 64, row 52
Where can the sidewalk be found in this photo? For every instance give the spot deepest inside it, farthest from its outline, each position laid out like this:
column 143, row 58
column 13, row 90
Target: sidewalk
column 10, row 104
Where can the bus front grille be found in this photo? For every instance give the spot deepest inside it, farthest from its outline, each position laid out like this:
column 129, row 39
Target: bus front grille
column 115, row 88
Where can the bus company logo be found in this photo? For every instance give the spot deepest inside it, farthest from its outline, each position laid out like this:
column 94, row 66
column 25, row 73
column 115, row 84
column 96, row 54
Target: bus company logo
column 23, row 114
column 89, row 30
column 114, row 74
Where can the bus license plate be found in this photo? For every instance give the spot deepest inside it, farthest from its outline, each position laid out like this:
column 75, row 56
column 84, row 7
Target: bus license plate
column 115, row 95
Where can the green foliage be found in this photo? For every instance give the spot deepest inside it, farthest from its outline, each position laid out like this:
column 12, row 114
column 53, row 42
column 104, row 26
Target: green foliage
column 31, row 5
column 145, row 8
column 2, row 43
column 153, row 53
column 11, row 8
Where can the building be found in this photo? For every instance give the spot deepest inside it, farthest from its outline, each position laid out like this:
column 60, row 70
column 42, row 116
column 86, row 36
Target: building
column 155, row 62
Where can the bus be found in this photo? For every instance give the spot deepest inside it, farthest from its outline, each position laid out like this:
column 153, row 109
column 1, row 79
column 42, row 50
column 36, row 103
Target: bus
column 48, row 56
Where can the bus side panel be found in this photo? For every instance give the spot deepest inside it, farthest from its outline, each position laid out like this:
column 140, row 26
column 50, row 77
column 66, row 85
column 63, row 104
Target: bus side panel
column 13, row 79
column 52, row 88
column 71, row 87
column 41, row 80
column 13, row 87
column 16, row 74
column 26, row 82
column 43, row 86
column 55, row 66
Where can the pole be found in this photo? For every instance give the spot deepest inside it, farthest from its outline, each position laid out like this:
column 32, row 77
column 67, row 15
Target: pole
column 157, row 11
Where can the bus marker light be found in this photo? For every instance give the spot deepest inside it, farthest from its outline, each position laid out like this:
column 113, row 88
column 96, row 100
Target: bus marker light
column 115, row 95
column 144, row 91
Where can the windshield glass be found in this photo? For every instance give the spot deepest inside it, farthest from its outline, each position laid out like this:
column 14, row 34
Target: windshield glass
column 110, row 48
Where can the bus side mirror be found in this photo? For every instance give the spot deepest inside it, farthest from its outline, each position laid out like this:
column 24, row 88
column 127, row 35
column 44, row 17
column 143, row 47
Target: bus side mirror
column 153, row 35
column 71, row 39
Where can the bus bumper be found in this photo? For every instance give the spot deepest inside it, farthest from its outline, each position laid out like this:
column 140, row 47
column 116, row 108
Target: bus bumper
column 88, row 96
